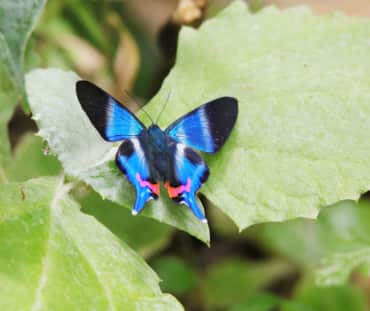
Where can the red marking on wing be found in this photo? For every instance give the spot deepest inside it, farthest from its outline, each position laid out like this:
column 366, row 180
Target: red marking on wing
column 173, row 192
column 145, row 183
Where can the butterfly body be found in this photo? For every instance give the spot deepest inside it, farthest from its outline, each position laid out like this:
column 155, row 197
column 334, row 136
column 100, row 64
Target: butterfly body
column 157, row 148
column 160, row 146
column 151, row 156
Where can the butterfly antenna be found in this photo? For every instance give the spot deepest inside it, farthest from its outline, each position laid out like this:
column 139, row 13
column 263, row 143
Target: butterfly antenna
column 141, row 107
column 164, row 106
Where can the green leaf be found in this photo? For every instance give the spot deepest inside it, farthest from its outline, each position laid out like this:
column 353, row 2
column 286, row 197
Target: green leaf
column 300, row 240
column 17, row 19
column 83, row 152
column 8, row 98
column 29, row 160
column 145, row 235
column 46, row 243
column 233, row 281
column 260, row 302
column 334, row 246
column 176, row 275
column 335, row 298
column 347, row 232
column 303, row 85
column 300, row 141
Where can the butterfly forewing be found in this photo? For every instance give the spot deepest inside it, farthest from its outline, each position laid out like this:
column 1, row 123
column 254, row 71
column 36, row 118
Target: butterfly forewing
column 207, row 127
column 113, row 121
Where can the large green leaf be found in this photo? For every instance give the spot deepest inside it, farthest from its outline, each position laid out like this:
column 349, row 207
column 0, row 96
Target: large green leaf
column 303, row 85
column 53, row 257
column 17, row 19
column 301, row 137
column 83, row 152
column 335, row 244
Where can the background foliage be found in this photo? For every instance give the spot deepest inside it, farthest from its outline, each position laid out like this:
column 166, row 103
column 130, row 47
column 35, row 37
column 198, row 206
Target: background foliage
column 49, row 240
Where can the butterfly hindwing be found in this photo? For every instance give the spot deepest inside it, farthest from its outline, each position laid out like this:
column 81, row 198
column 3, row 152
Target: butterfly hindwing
column 207, row 127
column 190, row 172
column 113, row 121
column 132, row 161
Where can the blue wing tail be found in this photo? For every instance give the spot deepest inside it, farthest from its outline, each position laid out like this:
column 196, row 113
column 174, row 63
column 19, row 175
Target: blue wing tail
column 132, row 162
column 190, row 173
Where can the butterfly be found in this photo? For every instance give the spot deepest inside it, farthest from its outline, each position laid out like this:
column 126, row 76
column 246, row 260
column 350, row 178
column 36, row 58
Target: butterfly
column 149, row 156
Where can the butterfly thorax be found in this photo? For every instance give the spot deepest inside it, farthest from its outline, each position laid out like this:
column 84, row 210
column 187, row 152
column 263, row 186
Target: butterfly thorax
column 159, row 147
column 157, row 138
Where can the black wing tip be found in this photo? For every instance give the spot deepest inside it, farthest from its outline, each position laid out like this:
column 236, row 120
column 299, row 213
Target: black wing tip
column 223, row 113
column 83, row 86
column 232, row 104
column 228, row 102
column 230, row 99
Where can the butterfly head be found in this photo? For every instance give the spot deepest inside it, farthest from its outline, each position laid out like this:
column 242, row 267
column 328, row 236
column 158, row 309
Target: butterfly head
column 154, row 129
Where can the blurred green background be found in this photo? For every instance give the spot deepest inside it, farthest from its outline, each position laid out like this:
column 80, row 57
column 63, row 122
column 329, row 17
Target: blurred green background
column 131, row 45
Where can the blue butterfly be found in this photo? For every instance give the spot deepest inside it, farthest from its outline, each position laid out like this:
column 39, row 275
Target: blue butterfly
column 148, row 156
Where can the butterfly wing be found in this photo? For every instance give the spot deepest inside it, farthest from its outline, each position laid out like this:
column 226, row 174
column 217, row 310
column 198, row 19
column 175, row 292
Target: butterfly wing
column 207, row 127
column 131, row 159
column 189, row 173
column 113, row 121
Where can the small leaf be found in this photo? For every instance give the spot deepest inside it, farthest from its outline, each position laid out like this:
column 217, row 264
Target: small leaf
column 176, row 275
column 335, row 298
column 303, row 86
column 17, row 19
column 338, row 298
column 233, row 281
column 83, row 152
column 334, row 246
column 260, row 302
column 347, row 230
column 300, row 240
column 46, row 243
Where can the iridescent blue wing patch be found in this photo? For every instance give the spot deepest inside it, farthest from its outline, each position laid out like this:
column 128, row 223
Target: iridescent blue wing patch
column 207, row 127
column 131, row 160
column 190, row 172
column 112, row 120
